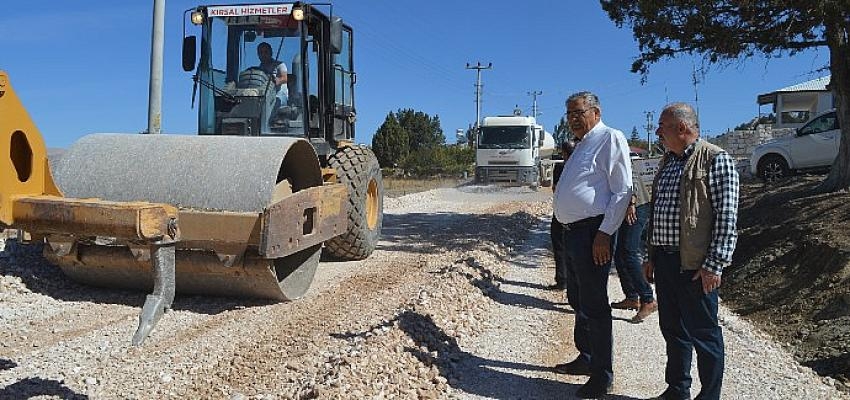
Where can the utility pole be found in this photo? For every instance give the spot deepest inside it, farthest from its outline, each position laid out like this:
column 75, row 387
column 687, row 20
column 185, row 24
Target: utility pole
column 478, row 88
column 649, row 129
column 534, row 95
column 155, row 88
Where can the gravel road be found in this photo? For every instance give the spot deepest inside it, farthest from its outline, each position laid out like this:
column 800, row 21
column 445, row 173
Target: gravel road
column 451, row 305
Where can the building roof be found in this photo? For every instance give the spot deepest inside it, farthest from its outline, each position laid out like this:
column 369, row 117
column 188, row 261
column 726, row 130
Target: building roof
column 814, row 85
column 818, row 84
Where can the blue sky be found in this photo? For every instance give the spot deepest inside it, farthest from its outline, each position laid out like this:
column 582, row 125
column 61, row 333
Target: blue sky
column 83, row 67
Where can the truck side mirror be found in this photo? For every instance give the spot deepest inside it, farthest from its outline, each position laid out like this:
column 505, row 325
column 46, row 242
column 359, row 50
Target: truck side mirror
column 189, row 56
column 336, row 35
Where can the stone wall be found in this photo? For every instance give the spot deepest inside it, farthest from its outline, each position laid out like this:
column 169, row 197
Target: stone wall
column 740, row 144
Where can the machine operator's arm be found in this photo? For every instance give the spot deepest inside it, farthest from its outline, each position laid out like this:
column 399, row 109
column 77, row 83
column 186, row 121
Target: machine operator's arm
column 280, row 76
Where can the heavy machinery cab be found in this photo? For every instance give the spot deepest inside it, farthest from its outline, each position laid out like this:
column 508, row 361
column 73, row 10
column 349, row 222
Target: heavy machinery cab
column 237, row 94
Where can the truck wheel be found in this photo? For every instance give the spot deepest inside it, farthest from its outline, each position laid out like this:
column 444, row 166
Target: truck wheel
column 357, row 168
column 772, row 168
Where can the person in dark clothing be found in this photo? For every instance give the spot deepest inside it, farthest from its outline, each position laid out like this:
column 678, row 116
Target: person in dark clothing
column 628, row 255
column 556, row 231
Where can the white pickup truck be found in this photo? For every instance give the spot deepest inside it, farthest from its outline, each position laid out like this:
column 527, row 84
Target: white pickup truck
column 812, row 147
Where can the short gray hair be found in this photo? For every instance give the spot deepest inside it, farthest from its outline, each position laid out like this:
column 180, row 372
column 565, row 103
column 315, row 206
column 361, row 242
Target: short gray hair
column 591, row 99
column 685, row 113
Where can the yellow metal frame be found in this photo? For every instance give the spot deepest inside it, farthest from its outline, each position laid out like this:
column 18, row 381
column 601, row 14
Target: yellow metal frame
column 24, row 170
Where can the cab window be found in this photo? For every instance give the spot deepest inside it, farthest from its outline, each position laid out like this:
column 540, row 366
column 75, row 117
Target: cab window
column 826, row 122
column 343, row 72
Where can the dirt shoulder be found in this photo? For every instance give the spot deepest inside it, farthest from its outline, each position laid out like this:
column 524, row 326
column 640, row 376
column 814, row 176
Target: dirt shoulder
column 791, row 271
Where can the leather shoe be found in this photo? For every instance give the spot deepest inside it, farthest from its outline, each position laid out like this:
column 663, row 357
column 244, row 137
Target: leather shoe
column 626, row 304
column 574, row 367
column 646, row 309
column 594, row 389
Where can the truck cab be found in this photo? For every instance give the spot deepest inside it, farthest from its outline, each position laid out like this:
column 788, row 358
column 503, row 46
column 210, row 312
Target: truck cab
column 513, row 150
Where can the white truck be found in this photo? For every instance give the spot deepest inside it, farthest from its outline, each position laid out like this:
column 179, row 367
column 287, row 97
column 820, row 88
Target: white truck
column 514, row 151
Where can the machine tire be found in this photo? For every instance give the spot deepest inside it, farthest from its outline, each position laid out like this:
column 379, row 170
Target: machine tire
column 772, row 168
column 357, row 168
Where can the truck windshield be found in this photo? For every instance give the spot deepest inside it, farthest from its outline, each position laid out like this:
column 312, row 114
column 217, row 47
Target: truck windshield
column 504, row 137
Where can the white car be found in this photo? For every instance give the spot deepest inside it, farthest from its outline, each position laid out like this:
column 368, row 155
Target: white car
column 812, row 147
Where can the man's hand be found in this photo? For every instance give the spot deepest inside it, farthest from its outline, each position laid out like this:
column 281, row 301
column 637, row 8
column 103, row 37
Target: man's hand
column 649, row 271
column 631, row 214
column 710, row 280
column 601, row 248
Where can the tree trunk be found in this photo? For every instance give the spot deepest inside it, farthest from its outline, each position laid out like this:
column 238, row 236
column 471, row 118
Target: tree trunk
column 839, row 66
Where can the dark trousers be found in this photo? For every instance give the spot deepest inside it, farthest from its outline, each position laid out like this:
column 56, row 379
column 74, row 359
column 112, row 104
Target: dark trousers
column 556, row 231
column 587, row 293
column 688, row 320
column 628, row 257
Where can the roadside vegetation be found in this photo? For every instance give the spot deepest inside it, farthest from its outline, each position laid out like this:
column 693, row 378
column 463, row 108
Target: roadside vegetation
column 411, row 144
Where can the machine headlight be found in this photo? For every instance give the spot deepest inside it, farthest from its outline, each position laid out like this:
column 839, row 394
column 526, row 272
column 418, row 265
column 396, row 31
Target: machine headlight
column 197, row 17
column 298, row 14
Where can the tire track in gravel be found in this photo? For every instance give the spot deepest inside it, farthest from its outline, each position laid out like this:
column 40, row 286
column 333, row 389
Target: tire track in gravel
column 63, row 326
column 376, row 295
column 359, row 302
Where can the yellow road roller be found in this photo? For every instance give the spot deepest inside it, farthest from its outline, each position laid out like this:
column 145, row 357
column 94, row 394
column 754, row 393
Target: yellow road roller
column 243, row 208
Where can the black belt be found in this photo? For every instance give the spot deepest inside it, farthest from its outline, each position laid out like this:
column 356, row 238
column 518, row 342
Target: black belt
column 585, row 223
column 668, row 249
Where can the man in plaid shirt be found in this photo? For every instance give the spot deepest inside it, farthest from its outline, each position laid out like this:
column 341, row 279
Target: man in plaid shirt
column 691, row 238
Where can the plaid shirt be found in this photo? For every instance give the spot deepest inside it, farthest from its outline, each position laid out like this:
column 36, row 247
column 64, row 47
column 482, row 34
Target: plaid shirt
column 723, row 184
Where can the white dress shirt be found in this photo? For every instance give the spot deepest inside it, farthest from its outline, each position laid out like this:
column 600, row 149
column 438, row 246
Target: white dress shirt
column 597, row 179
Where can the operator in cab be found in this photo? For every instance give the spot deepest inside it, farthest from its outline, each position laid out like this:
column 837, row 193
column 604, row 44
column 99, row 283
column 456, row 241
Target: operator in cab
column 274, row 68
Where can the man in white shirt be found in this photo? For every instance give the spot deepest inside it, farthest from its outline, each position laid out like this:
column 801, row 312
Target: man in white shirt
column 590, row 201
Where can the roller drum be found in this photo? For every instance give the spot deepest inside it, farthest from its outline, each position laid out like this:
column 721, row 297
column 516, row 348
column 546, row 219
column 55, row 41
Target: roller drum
column 212, row 173
column 230, row 173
